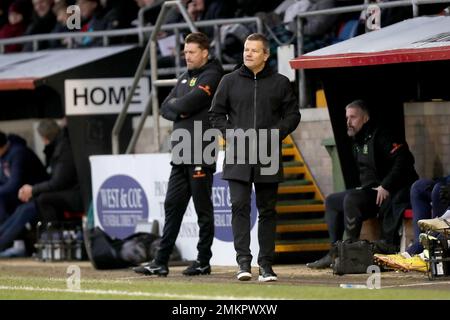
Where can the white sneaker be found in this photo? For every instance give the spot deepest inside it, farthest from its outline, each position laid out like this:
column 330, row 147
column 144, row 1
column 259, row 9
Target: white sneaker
column 435, row 224
column 13, row 252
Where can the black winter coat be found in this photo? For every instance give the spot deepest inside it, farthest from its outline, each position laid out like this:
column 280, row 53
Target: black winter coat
column 60, row 160
column 390, row 157
column 245, row 101
column 189, row 102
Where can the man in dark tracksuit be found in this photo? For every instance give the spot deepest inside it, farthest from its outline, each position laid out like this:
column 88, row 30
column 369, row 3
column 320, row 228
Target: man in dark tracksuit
column 48, row 199
column 386, row 173
column 19, row 165
column 257, row 98
column 191, row 176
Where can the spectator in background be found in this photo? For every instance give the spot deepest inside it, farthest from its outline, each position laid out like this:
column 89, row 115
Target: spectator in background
column 43, row 21
column 4, row 9
column 18, row 16
column 150, row 15
column 60, row 11
column 318, row 30
column 93, row 18
column 200, row 10
column 119, row 13
column 48, row 199
column 19, row 165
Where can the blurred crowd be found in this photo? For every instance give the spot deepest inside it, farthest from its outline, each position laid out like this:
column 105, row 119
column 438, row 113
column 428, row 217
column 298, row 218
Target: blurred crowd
column 31, row 17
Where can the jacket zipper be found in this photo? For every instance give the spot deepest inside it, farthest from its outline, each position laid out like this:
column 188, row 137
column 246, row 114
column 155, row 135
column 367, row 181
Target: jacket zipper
column 254, row 148
column 254, row 104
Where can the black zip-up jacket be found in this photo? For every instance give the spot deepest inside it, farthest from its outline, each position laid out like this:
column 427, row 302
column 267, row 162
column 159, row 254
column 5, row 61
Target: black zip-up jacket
column 390, row 157
column 189, row 102
column 19, row 166
column 245, row 101
column 60, row 160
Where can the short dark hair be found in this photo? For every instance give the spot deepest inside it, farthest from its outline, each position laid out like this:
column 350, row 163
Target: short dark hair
column 48, row 128
column 199, row 38
column 3, row 139
column 262, row 38
column 361, row 104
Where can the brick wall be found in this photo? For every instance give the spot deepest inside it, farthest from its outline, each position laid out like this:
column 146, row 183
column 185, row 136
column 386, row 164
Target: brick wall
column 427, row 128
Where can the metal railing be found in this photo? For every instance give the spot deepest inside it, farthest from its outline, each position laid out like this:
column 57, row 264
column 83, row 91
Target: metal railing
column 106, row 35
column 150, row 49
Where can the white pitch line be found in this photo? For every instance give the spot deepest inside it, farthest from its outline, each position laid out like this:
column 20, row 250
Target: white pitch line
column 415, row 284
column 132, row 293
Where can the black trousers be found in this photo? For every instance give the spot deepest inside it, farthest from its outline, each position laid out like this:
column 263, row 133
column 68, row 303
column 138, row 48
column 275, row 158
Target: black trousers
column 266, row 199
column 51, row 205
column 184, row 183
column 8, row 204
column 347, row 210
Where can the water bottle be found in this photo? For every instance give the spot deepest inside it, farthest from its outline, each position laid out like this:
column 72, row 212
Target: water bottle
column 57, row 244
column 79, row 244
column 67, row 240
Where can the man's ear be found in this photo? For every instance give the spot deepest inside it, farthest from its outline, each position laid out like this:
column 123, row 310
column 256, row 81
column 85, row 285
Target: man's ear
column 205, row 53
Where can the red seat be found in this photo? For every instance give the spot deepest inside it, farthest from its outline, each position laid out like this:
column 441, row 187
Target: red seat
column 69, row 215
column 408, row 214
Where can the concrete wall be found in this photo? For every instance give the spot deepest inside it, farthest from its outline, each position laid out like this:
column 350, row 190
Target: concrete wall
column 145, row 140
column 315, row 126
column 427, row 128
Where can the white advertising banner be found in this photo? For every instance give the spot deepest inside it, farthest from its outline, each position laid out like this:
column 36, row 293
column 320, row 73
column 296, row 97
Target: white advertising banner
column 104, row 96
column 130, row 188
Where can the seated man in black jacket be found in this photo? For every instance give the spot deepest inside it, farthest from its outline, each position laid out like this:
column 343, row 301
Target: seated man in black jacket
column 49, row 199
column 386, row 173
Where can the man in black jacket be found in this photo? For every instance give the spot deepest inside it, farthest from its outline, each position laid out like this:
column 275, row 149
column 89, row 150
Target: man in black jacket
column 191, row 176
column 386, row 173
column 47, row 200
column 254, row 98
column 18, row 165
column 62, row 191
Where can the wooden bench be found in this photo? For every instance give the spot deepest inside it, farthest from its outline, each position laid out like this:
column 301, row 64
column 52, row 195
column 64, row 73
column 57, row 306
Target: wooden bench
column 371, row 230
column 407, row 230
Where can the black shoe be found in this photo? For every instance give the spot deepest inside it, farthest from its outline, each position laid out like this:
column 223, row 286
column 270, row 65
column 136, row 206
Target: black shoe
column 245, row 271
column 152, row 269
column 196, row 268
column 266, row 274
column 322, row 263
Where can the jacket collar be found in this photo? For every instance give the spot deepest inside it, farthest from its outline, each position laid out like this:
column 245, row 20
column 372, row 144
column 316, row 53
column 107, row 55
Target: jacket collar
column 265, row 72
column 365, row 133
column 207, row 65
